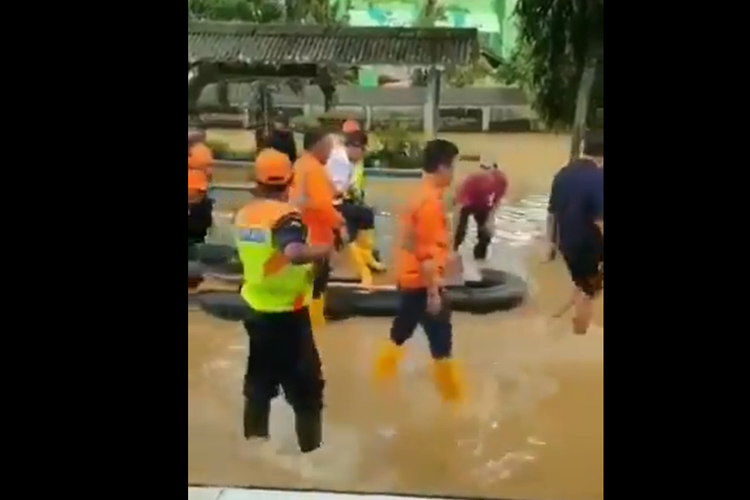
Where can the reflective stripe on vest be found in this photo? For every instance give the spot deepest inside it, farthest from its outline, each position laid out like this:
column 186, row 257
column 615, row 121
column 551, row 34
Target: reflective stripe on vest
column 359, row 176
column 271, row 283
column 357, row 191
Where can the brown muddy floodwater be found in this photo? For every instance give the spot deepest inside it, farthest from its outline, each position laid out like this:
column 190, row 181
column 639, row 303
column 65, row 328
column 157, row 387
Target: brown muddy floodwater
column 532, row 428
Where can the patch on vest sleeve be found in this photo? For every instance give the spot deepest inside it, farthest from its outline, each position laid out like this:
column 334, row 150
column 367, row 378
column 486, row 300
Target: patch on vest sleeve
column 256, row 236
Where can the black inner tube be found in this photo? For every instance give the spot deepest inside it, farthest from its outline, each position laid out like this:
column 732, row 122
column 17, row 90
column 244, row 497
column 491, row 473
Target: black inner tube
column 216, row 255
column 195, row 270
column 230, row 306
column 498, row 291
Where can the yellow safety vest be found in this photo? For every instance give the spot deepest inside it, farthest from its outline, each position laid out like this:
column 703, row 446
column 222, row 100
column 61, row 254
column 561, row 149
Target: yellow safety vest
column 357, row 190
column 271, row 283
column 359, row 176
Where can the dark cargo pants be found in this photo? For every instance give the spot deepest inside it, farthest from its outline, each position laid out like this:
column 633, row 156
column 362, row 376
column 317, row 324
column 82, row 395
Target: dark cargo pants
column 283, row 355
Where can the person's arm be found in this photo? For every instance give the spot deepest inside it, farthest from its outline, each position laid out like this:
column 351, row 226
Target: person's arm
column 553, row 213
column 321, row 199
column 353, row 173
column 463, row 195
column 290, row 239
column 293, row 156
column 597, row 202
column 340, row 172
column 553, row 210
column 501, row 190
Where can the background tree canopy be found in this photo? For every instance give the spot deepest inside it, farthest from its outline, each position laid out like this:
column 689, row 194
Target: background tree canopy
column 253, row 11
column 559, row 39
column 266, row 11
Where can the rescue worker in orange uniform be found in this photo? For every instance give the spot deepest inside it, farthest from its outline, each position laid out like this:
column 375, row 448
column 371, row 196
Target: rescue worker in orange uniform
column 200, row 156
column 277, row 259
column 314, row 194
column 423, row 261
column 200, row 208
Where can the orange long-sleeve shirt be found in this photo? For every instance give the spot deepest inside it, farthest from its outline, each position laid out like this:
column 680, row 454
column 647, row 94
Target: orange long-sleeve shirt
column 314, row 194
column 424, row 234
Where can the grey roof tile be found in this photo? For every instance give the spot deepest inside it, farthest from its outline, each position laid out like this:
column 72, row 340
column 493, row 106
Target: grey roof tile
column 288, row 44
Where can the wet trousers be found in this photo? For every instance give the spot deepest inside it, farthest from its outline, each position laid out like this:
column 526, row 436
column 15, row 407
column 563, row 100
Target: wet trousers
column 412, row 313
column 358, row 218
column 481, row 216
column 283, row 355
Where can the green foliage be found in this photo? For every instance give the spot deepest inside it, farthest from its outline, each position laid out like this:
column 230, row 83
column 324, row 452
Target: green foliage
column 393, row 145
column 220, row 148
column 466, row 76
column 267, row 11
column 252, row 11
column 558, row 40
column 431, row 13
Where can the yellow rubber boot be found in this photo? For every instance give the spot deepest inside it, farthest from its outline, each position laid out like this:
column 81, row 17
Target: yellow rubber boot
column 360, row 262
column 317, row 314
column 387, row 363
column 366, row 242
column 448, row 381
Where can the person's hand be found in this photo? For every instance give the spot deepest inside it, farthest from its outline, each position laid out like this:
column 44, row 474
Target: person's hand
column 434, row 302
column 344, row 235
column 551, row 253
column 454, row 267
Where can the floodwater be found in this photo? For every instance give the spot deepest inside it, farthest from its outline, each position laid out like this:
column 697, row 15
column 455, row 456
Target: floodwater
column 532, row 428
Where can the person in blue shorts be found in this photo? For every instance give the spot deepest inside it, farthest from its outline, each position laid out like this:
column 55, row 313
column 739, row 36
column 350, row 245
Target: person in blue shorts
column 576, row 226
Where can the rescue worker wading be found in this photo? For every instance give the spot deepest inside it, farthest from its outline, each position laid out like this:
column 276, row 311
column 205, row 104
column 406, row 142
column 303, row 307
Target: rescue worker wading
column 278, row 283
column 314, row 194
column 423, row 263
column 200, row 208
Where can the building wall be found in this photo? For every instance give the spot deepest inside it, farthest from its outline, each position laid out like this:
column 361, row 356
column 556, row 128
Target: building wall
column 461, row 110
column 493, row 19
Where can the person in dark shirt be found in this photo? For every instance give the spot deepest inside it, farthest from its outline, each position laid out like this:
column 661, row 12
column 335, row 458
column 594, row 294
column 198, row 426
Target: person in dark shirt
column 282, row 139
column 576, row 226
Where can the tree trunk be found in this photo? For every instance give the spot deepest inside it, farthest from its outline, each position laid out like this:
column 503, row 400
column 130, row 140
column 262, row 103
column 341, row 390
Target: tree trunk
column 582, row 107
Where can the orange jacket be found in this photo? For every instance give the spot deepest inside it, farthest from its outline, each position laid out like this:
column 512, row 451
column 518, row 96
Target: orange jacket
column 423, row 235
column 314, row 194
column 197, row 181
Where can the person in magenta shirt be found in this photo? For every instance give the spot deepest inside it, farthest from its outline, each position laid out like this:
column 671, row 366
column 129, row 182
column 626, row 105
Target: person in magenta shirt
column 479, row 197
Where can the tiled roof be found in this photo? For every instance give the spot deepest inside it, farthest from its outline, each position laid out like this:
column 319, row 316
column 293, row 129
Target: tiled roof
column 284, row 44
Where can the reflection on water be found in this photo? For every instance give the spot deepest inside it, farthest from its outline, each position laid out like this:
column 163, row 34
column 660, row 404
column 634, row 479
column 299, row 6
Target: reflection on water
column 531, row 429
column 517, row 223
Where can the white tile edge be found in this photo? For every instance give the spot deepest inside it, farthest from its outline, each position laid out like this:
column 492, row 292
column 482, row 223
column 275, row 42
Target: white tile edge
column 260, row 494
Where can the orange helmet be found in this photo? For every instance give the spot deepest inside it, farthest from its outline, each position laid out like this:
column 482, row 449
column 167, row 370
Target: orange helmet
column 273, row 168
column 200, row 157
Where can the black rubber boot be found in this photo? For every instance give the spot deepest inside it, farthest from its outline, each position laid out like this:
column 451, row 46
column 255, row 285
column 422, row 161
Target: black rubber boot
column 481, row 250
column 309, row 428
column 256, row 420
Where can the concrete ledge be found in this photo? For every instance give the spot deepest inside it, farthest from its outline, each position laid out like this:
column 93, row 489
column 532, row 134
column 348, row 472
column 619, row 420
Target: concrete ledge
column 371, row 173
column 234, row 186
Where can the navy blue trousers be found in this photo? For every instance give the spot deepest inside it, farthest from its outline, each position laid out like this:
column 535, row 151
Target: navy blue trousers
column 412, row 313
